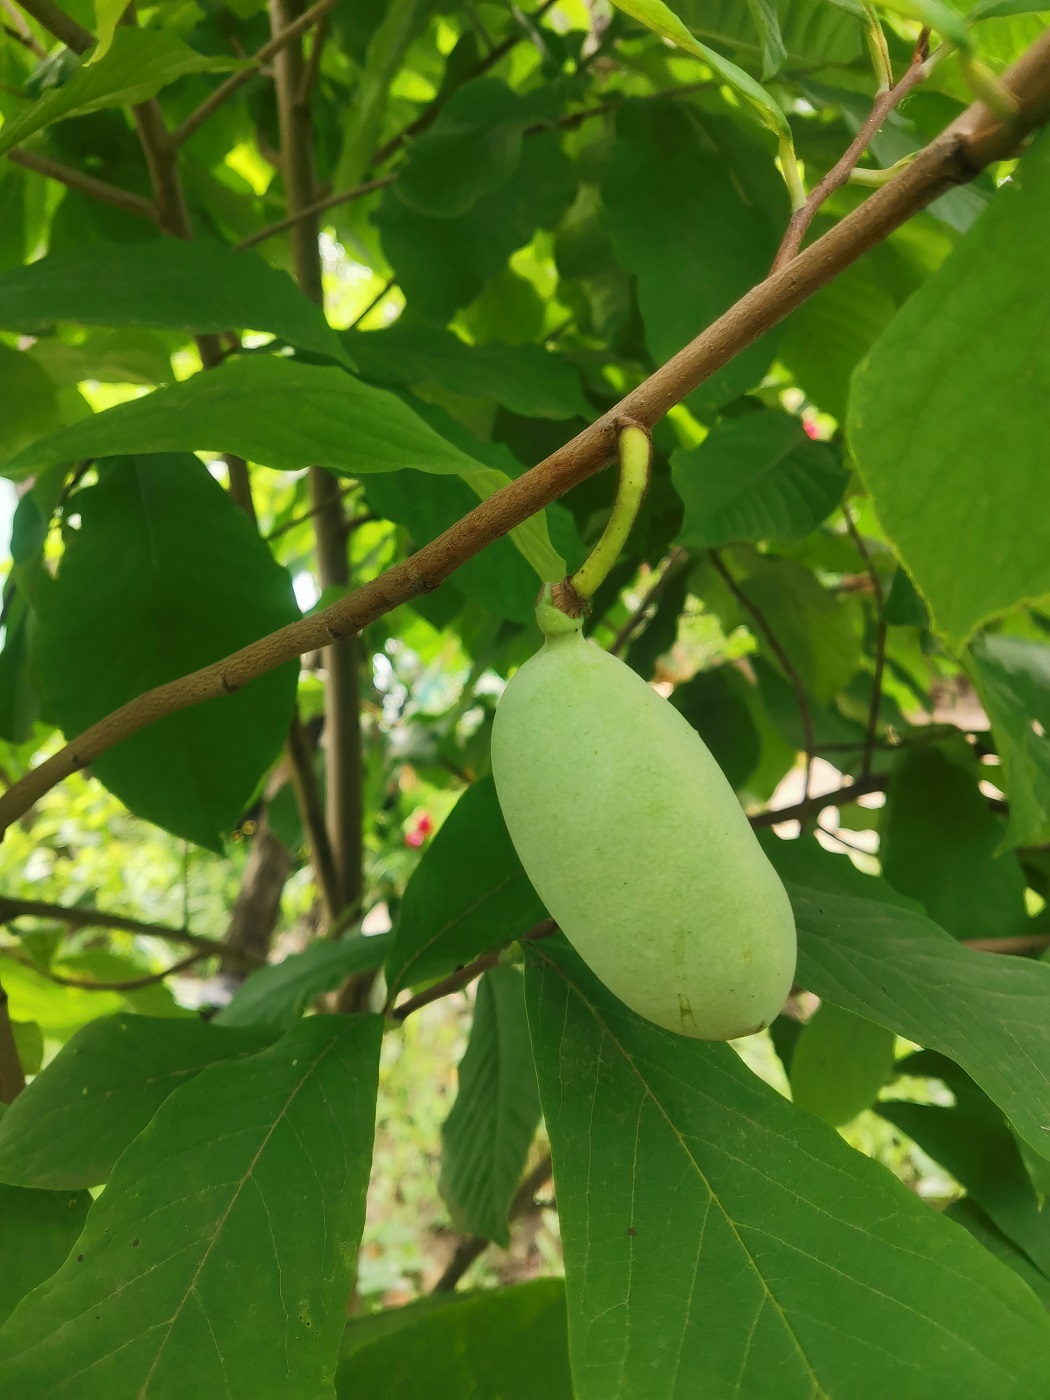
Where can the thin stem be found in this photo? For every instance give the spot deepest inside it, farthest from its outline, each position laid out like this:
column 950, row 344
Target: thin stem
column 880, row 641
column 786, row 664
column 839, row 173
column 85, row 184
column 19, row 30
column 83, row 916
column 1024, row 945
column 293, row 30
column 841, row 797
column 313, row 64
column 973, row 141
column 470, row 1248
column 316, row 207
column 660, row 581
column 459, row 979
column 635, row 448
column 64, row 27
column 12, row 1076
column 87, row 984
column 383, row 292
column 279, row 530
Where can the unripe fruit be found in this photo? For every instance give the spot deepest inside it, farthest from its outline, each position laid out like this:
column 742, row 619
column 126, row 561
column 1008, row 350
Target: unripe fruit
column 636, row 843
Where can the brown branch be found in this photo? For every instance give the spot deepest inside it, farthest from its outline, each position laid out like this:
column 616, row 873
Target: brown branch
column 279, row 530
column 64, row 27
column 469, row 1249
column 82, row 916
column 880, row 642
column 802, row 811
column 236, row 81
column 974, row 140
column 384, row 291
column 317, row 207
column 85, row 184
column 457, row 980
column 786, row 664
column 663, row 576
column 87, row 984
column 313, row 65
column 1024, row 945
column 12, row 1076
column 311, row 813
column 840, row 172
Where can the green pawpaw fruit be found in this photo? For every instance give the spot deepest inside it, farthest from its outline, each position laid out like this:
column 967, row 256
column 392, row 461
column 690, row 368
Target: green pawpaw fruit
column 636, row 843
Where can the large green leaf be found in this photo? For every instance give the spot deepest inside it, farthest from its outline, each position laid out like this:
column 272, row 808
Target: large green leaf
column 1013, row 678
column 692, row 235
column 948, row 415
column 276, row 412
column 139, row 63
column 37, row 1231
column 69, row 1126
column 757, row 477
column 939, row 839
column 715, row 1236
column 278, row 994
column 468, row 894
column 989, row 1013
column 165, row 575
column 28, row 403
column 502, row 1344
column 486, row 1138
column 527, row 379
column 197, row 286
column 219, row 1258
column 971, row 1217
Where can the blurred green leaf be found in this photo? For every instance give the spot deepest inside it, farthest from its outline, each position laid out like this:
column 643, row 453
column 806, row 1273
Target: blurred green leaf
column 1012, row 676
column 757, row 477
column 278, row 994
column 486, row 1137
column 839, row 1063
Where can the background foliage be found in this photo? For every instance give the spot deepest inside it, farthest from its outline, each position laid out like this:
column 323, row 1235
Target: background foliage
column 277, row 311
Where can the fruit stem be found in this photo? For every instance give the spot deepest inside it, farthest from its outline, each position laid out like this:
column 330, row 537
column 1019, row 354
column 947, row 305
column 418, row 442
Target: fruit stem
column 636, row 454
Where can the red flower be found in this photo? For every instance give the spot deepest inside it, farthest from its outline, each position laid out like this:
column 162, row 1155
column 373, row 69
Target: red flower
column 419, row 830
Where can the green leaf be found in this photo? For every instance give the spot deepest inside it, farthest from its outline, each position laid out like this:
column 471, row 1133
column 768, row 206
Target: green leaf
column 839, row 1064
column 971, row 1217
column 527, row 379
column 468, row 894
column 199, row 286
column 883, row 962
column 1012, row 677
column 29, row 1042
column 486, row 1138
column 503, row 1344
column 814, row 33
column 715, row 704
column 707, row 1225
column 935, row 14
column 28, row 403
column 939, row 843
column 983, row 1157
column 277, row 995
column 59, row 1011
column 689, row 232
column 767, row 22
column 164, row 575
column 273, row 411
column 948, row 415
column 68, row 1127
column 757, row 477
column 220, row 1256
column 815, row 630
column 139, row 63
column 472, row 148
column 662, row 20
column 37, row 1231
column 442, row 264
